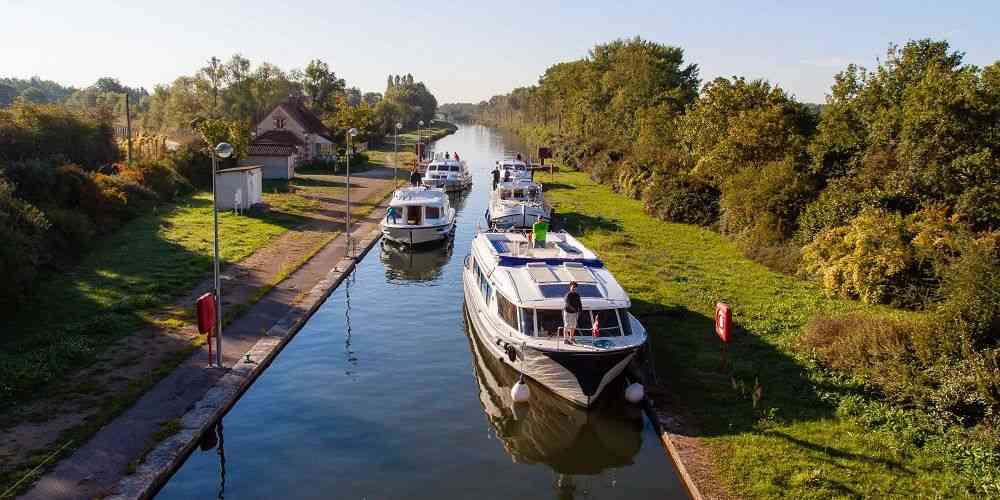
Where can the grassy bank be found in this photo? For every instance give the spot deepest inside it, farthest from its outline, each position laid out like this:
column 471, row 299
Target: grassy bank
column 811, row 434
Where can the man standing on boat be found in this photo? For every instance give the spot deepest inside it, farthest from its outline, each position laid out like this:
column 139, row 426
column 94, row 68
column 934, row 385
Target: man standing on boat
column 415, row 177
column 571, row 312
column 496, row 175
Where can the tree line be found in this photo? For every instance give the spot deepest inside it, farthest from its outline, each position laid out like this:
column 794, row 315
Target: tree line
column 63, row 179
column 887, row 193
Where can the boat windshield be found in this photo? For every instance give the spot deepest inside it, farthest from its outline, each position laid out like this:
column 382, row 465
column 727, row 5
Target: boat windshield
column 456, row 168
column 549, row 322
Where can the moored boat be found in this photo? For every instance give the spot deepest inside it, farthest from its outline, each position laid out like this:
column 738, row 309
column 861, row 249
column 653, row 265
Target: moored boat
column 418, row 215
column 517, row 204
column 514, row 292
column 448, row 174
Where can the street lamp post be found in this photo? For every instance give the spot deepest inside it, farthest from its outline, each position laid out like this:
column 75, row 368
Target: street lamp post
column 395, row 154
column 353, row 132
column 420, row 140
column 222, row 150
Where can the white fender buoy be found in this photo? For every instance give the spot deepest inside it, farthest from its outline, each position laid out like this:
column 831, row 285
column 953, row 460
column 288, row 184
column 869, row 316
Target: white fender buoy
column 520, row 393
column 634, row 392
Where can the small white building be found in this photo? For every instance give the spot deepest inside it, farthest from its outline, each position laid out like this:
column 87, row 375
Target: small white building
column 239, row 186
column 276, row 161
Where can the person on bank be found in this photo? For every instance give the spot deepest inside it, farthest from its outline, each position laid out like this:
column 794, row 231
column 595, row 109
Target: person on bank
column 415, row 177
column 571, row 312
column 496, row 175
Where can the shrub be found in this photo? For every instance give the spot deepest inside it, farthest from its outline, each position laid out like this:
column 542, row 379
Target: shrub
column 22, row 231
column 766, row 201
column 971, row 287
column 979, row 207
column 193, row 163
column 115, row 201
column 158, row 177
column 836, row 205
column 54, row 132
column 870, row 259
column 681, row 198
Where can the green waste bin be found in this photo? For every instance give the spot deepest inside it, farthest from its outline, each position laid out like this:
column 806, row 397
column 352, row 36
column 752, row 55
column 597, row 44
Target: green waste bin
column 539, row 231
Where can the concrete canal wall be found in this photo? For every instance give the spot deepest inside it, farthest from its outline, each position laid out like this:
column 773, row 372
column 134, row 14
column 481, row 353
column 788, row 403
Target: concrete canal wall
column 161, row 462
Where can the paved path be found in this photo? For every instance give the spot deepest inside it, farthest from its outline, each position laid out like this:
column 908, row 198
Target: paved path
column 94, row 469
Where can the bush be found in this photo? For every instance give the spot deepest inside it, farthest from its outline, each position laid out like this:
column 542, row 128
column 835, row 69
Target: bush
column 115, row 201
column 766, row 201
column 869, row 259
column 54, row 132
column 22, row 231
column 979, row 207
column 194, row 164
column 836, row 206
column 158, row 177
column 971, row 287
column 681, row 198
column 884, row 351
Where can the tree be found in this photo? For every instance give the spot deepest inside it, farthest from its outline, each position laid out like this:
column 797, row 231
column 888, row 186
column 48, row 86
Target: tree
column 321, row 85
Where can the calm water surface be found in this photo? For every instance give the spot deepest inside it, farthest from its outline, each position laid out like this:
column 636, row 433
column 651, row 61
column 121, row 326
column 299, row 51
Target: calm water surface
column 383, row 394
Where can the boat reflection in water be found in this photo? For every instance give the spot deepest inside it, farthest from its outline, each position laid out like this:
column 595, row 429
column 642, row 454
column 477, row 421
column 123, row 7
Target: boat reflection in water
column 421, row 263
column 552, row 431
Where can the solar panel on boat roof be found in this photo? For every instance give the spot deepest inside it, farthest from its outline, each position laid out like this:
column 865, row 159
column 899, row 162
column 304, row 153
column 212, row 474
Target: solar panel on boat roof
column 574, row 271
column 566, row 247
column 500, row 246
column 541, row 273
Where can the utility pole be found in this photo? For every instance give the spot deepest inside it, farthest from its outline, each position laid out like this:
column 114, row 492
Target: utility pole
column 128, row 128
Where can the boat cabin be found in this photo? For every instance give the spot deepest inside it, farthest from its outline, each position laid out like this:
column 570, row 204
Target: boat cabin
column 420, row 206
column 528, row 283
column 519, row 191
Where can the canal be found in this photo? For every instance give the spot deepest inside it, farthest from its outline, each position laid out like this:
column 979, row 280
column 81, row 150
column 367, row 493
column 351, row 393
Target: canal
column 384, row 394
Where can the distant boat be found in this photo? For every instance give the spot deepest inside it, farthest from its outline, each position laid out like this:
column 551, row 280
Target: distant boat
column 418, row 215
column 517, row 204
column 448, row 174
column 515, row 293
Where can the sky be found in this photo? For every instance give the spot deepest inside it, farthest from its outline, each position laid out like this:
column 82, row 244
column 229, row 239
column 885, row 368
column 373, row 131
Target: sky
column 470, row 51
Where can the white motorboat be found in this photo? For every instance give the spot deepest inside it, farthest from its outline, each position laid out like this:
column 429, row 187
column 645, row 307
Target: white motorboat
column 514, row 293
column 448, row 174
column 418, row 215
column 513, row 169
column 517, row 204
column 552, row 431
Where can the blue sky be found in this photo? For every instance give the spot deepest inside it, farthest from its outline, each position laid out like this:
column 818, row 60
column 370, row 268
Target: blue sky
column 469, row 51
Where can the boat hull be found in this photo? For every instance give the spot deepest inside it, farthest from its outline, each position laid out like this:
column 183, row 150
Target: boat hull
column 579, row 377
column 416, row 235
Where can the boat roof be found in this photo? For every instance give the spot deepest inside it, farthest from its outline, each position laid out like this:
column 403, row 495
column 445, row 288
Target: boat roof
column 411, row 195
column 540, row 277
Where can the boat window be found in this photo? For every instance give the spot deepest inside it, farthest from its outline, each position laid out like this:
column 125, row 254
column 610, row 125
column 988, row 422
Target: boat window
column 456, row 168
column 626, row 323
column 554, row 291
column 551, row 320
column 413, row 215
column 431, row 168
column 507, row 311
column 432, row 212
column 484, row 284
column 607, row 321
column 528, row 322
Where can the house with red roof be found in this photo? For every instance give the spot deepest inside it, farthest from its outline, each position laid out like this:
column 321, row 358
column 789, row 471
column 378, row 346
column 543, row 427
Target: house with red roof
column 288, row 135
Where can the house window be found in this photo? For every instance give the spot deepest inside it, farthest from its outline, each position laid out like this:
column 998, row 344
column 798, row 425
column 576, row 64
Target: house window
column 279, row 122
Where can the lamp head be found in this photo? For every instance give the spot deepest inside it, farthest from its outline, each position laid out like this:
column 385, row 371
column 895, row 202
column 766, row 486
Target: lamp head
column 421, row 123
column 224, row 150
column 353, row 132
column 399, row 126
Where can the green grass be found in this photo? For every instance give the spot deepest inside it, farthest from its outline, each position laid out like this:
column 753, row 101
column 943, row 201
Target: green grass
column 142, row 267
column 795, row 443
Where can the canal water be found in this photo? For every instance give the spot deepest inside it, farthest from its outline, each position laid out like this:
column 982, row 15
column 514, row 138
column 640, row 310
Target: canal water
column 384, row 394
